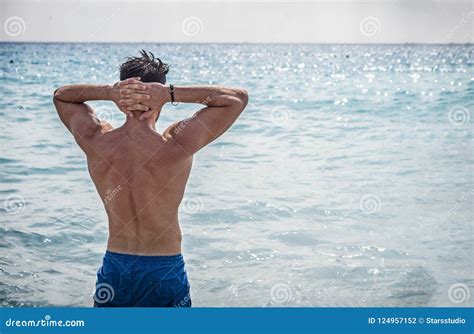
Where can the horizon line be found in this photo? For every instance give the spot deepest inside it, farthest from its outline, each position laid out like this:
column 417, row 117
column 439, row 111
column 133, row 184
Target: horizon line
column 269, row 43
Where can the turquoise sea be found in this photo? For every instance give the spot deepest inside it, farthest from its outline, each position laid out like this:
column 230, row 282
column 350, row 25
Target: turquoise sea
column 348, row 180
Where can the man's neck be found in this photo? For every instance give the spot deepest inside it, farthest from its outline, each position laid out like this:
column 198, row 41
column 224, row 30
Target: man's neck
column 135, row 122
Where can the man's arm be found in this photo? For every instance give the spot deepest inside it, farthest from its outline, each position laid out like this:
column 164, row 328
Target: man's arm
column 223, row 107
column 77, row 116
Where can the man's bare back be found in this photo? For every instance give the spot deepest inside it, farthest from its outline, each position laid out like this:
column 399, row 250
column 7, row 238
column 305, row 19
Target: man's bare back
column 141, row 175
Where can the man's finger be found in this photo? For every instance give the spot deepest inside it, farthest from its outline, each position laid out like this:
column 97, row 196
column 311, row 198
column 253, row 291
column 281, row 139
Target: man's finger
column 127, row 92
column 137, row 107
column 126, row 112
column 136, row 86
column 129, row 89
column 134, row 94
column 146, row 115
column 127, row 102
column 129, row 82
column 139, row 97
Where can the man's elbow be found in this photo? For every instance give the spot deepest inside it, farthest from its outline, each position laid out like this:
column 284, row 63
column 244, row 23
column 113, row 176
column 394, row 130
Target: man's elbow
column 243, row 97
column 58, row 93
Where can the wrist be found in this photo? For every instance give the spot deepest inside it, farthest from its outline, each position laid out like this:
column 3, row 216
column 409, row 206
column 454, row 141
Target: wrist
column 160, row 93
column 111, row 92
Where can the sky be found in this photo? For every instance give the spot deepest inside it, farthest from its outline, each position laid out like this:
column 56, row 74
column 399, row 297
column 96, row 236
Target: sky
column 229, row 21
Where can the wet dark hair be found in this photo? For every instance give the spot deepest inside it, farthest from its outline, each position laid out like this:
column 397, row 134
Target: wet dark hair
column 147, row 67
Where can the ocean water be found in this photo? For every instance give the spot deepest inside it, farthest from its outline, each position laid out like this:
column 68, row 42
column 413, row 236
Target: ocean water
column 348, row 180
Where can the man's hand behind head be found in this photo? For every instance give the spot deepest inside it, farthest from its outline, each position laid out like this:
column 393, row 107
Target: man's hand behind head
column 133, row 91
column 147, row 97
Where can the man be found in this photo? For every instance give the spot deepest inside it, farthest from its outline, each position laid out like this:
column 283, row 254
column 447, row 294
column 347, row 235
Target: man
column 141, row 175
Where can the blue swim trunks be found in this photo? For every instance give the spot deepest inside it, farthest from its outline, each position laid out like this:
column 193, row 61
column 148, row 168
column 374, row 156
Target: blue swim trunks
column 126, row 280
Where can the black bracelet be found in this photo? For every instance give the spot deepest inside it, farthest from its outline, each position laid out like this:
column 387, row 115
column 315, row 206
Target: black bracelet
column 172, row 95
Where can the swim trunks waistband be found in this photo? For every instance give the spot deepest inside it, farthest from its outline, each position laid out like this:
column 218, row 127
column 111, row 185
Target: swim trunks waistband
column 144, row 258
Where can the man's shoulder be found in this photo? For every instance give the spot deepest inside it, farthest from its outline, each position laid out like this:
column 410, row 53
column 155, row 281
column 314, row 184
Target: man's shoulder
column 171, row 130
